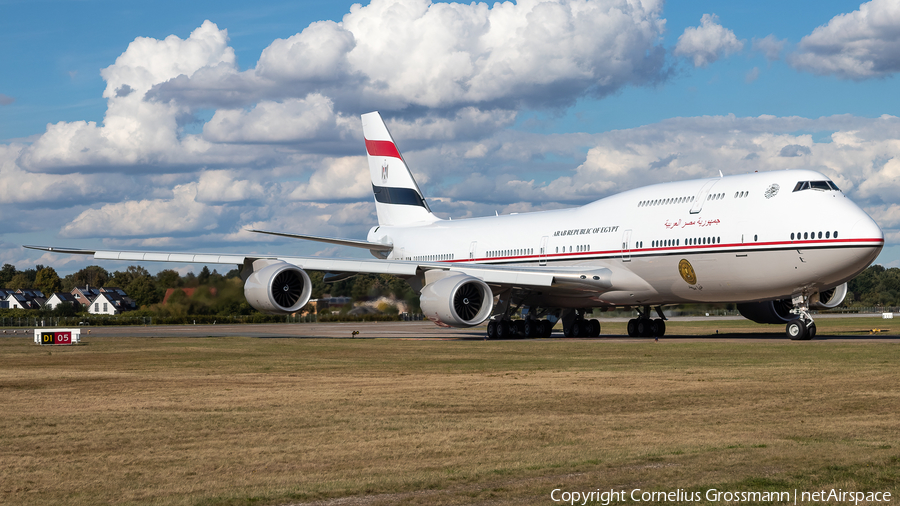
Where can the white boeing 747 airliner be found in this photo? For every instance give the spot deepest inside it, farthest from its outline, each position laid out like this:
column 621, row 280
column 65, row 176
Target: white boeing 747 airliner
column 775, row 243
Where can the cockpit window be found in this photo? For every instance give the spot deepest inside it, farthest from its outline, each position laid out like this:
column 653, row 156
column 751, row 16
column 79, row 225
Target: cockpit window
column 816, row 185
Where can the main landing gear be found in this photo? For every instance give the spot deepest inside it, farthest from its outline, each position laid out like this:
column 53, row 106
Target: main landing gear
column 644, row 326
column 583, row 328
column 507, row 329
column 501, row 326
column 532, row 326
column 576, row 325
column 803, row 328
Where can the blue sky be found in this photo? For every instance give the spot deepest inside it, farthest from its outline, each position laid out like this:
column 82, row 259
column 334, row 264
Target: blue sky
column 49, row 41
column 191, row 159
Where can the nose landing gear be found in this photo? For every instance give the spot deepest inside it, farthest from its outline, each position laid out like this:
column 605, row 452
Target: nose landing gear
column 803, row 328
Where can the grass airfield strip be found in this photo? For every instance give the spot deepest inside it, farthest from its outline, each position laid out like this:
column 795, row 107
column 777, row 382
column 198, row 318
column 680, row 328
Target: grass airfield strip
column 238, row 420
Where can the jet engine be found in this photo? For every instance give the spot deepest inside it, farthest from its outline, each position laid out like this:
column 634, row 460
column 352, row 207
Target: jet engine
column 770, row 311
column 456, row 300
column 276, row 287
column 829, row 298
column 779, row 311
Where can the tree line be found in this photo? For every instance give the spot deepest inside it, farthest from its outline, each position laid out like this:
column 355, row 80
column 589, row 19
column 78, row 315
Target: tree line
column 215, row 293
column 223, row 293
column 875, row 286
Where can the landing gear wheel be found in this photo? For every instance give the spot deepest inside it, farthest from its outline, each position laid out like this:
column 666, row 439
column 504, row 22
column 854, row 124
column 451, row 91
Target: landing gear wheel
column 546, row 328
column 796, row 330
column 492, row 330
column 576, row 329
column 517, row 328
column 584, row 326
column 595, row 328
column 632, row 328
column 643, row 328
column 532, row 328
column 660, row 328
column 503, row 329
column 811, row 331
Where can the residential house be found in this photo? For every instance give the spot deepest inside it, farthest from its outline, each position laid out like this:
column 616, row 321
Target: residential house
column 21, row 301
column 127, row 302
column 102, row 304
column 30, row 292
column 110, row 303
column 62, row 298
column 85, row 296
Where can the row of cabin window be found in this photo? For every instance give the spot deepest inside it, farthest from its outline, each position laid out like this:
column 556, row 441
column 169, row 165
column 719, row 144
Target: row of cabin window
column 510, row 252
column 812, row 235
column 662, row 202
column 433, row 258
column 691, row 241
column 681, row 200
column 576, row 249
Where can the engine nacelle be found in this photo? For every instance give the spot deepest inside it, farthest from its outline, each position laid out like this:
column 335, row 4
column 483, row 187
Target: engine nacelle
column 779, row 311
column 829, row 299
column 456, row 300
column 770, row 311
column 276, row 287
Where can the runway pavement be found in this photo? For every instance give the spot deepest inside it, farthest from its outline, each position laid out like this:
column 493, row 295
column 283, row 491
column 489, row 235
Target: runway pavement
column 413, row 330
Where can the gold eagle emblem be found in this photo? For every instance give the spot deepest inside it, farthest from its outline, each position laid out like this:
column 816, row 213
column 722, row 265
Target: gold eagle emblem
column 687, row 272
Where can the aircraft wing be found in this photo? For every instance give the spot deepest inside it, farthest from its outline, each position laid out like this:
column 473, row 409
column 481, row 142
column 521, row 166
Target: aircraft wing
column 593, row 278
column 372, row 246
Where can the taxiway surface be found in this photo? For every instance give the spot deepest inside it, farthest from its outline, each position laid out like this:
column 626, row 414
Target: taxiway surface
column 403, row 330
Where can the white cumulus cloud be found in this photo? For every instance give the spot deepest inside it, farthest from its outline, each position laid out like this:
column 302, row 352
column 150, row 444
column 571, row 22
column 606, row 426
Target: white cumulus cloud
column 180, row 214
column 392, row 54
column 293, row 120
column 708, row 42
column 218, row 186
column 137, row 132
column 862, row 44
column 340, row 179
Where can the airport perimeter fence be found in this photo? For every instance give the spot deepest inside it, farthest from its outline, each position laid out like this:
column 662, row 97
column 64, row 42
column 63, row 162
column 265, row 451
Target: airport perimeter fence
column 99, row 321
column 676, row 311
column 874, row 310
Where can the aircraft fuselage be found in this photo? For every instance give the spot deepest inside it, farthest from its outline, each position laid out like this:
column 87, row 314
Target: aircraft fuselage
column 738, row 238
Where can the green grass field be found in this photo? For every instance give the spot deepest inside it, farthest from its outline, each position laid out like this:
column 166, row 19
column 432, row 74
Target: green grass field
column 277, row 421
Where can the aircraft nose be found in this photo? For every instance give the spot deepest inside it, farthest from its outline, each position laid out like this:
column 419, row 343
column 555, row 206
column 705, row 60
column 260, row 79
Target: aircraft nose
column 866, row 228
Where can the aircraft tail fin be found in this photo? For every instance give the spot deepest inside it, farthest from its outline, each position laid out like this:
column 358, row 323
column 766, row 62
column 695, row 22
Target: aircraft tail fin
column 398, row 199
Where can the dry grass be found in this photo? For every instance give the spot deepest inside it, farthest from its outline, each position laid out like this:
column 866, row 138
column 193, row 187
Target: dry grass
column 275, row 421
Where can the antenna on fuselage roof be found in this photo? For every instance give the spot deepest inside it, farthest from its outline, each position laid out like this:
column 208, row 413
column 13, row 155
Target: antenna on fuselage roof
column 720, row 173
